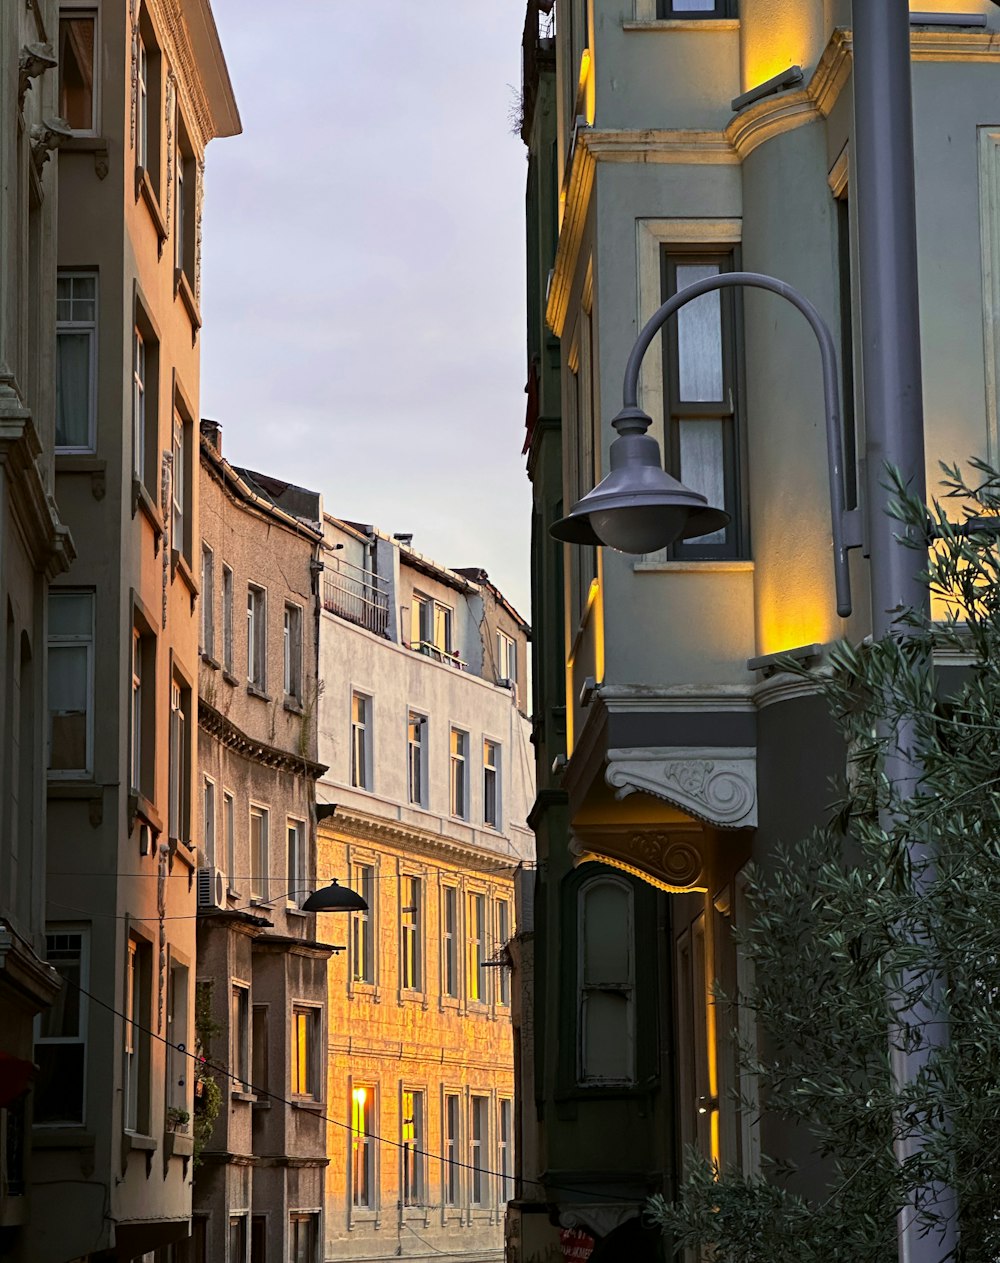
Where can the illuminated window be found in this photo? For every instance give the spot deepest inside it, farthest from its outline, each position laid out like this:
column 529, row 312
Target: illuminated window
column 459, row 774
column 476, row 944
column 432, row 627
column 362, row 928
column 410, row 964
column 503, row 938
column 702, row 390
column 412, row 1157
column 306, row 1026
column 77, row 63
column 449, row 941
column 362, row 1148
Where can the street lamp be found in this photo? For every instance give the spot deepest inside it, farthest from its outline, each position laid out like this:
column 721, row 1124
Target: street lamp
column 639, row 508
column 334, row 898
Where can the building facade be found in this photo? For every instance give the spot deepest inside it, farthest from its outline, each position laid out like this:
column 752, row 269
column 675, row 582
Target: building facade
column 261, row 971
column 35, row 548
column 143, row 89
column 687, row 751
column 424, row 812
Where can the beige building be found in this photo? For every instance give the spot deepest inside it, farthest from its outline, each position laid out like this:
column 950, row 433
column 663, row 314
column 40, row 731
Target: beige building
column 262, row 974
column 34, row 548
column 425, row 814
column 143, row 89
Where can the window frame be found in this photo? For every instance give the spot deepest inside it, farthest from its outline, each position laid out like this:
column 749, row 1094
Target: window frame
column 365, row 1141
column 227, row 618
column 451, row 1147
column 584, row 988
column 207, row 598
column 208, row 820
column 411, row 963
column 239, row 1037
column 292, row 651
column 502, row 917
column 729, row 410
column 306, row 1059
column 260, row 864
column 450, row 940
column 54, row 930
column 496, row 769
column 666, row 11
column 479, row 1149
column 136, row 1024
column 298, row 862
column 256, row 637
column 505, row 1149
column 310, row 1221
column 363, row 879
column 66, row 641
column 412, row 1162
column 362, row 764
column 92, row 329
column 181, row 721
column 229, row 832
column 417, row 758
column 458, row 773
column 477, row 986
column 68, row 12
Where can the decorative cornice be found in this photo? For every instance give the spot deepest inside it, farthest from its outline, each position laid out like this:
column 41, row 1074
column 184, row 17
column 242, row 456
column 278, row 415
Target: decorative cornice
column 223, row 729
column 356, row 824
column 173, row 31
column 659, row 145
column 672, row 859
column 50, row 545
column 783, row 687
column 718, row 785
column 676, row 698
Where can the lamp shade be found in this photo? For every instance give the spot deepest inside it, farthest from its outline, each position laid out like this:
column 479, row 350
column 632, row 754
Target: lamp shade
column 638, row 507
column 334, row 898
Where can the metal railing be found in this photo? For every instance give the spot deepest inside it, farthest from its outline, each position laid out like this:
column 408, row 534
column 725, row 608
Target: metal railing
column 357, row 595
column 430, row 650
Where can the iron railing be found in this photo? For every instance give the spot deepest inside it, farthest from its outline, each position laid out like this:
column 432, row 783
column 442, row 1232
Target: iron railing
column 357, row 595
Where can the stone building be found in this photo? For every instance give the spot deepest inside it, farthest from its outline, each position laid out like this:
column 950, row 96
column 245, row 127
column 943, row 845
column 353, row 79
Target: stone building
column 689, row 751
column 143, row 89
column 35, row 548
column 424, row 812
column 261, row 973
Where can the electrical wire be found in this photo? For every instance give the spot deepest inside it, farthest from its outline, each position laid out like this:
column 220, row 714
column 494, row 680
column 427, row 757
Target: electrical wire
column 225, row 1072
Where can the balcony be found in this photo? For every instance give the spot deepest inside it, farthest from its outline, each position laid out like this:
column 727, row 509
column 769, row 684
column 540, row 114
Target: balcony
column 357, row 595
column 430, row 650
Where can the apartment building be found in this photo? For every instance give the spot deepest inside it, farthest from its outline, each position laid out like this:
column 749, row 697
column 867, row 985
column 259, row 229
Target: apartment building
column 261, row 967
column 35, row 548
column 686, row 750
column 424, row 812
column 143, row 89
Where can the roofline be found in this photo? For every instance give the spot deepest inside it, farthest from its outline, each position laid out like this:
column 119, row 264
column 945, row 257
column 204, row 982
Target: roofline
column 212, row 65
column 232, row 480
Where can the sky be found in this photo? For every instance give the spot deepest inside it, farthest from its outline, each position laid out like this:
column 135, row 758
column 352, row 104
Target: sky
column 363, row 268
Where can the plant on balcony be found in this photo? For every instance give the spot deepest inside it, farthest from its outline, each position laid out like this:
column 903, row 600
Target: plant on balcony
column 207, row 1092
column 838, row 924
column 177, row 1119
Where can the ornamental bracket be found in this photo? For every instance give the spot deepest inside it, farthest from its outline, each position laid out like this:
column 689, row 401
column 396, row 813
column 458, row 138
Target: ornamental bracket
column 717, row 784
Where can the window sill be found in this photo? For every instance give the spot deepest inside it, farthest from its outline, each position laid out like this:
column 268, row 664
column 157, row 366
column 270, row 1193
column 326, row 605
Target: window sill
column 407, row 995
column 180, row 566
column 132, row 1140
column 294, row 706
column 68, row 786
column 683, row 24
column 262, row 1103
column 141, row 807
column 254, row 691
column 243, row 1098
column 144, row 189
column 693, row 567
column 89, row 142
column 229, row 677
column 141, row 499
column 182, row 288
column 293, row 910
column 209, row 661
column 232, row 894
column 308, row 1105
column 185, row 850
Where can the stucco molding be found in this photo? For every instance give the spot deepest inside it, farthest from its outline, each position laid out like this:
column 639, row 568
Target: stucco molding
column 783, row 687
column 49, row 543
column 176, row 42
column 224, row 730
column 718, row 785
column 679, row 698
column 672, row 859
column 353, row 824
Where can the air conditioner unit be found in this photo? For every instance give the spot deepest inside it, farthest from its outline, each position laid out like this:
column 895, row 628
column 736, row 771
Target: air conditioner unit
column 211, row 888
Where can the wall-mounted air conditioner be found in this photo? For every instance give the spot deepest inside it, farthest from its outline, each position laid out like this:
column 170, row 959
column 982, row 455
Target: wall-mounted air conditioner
column 211, row 888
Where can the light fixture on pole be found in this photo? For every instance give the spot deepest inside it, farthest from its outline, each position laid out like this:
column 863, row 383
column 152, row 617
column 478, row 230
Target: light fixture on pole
column 639, row 507
column 335, row 898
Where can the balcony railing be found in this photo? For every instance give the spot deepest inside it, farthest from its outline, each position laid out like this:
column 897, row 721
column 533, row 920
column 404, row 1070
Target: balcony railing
column 357, row 595
column 430, row 650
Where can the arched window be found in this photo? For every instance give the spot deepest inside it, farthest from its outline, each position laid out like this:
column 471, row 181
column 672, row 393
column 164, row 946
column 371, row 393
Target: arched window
column 606, row 981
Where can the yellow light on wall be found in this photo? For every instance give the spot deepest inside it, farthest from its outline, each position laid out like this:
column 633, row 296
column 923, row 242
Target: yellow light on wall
column 586, row 92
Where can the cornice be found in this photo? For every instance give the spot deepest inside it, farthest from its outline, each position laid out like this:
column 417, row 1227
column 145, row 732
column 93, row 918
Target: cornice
column 373, row 829
column 49, row 543
column 672, row 860
column 223, row 729
column 199, row 114
column 683, row 698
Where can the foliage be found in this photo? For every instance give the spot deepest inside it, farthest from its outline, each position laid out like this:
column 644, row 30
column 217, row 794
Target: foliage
column 897, row 893
column 208, row 1093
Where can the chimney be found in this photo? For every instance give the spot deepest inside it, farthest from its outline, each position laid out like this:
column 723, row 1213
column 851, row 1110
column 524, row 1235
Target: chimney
column 404, row 538
column 212, row 431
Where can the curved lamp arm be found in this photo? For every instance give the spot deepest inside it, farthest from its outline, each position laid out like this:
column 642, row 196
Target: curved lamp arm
column 630, row 415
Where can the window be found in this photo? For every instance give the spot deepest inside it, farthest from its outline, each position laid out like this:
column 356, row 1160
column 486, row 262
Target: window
column 71, row 683
column 449, row 941
column 142, row 718
column 452, row 1170
column 507, row 657
column 421, row 622
column 259, row 1050
column 237, row 1238
column 207, row 601
column 302, row 1238
column 431, row 627
column 701, row 387
column 145, row 411
column 606, row 982
column 180, row 486
column 503, row 938
column 491, row 784
column 696, row 8
column 412, row 1136
column 239, row 1035
column 476, row 945
column 416, row 765
column 229, row 826
column 362, row 930
column 362, row 1148
column 227, row 619
column 76, row 362
column 61, row 1039
column 148, row 102
column 306, row 1059
column 480, row 1124
column 77, row 63
column 136, row 1032
column 178, row 1062
column 256, row 637
column 180, row 762
column 184, row 213
column 459, row 774
column 208, row 819
column 292, row 652
column 259, row 821
column 297, row 876
column 409, row 935
column 138, row 404
column 845, row 278
column 505, row 1164
column 142, row 107
column 361, row 738
column 443, row 619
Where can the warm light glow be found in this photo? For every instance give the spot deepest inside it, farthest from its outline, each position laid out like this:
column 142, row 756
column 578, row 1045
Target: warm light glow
column 593, row 613
column 794, row 35
column 782, row 626
column 586, row 93
column 712, row 1040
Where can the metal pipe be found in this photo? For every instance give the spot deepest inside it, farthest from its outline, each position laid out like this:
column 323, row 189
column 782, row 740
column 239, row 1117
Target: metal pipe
column 893, row 398
column 831, row 392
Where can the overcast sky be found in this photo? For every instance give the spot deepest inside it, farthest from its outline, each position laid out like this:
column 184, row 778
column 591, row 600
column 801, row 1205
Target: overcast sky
column 363, row 267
